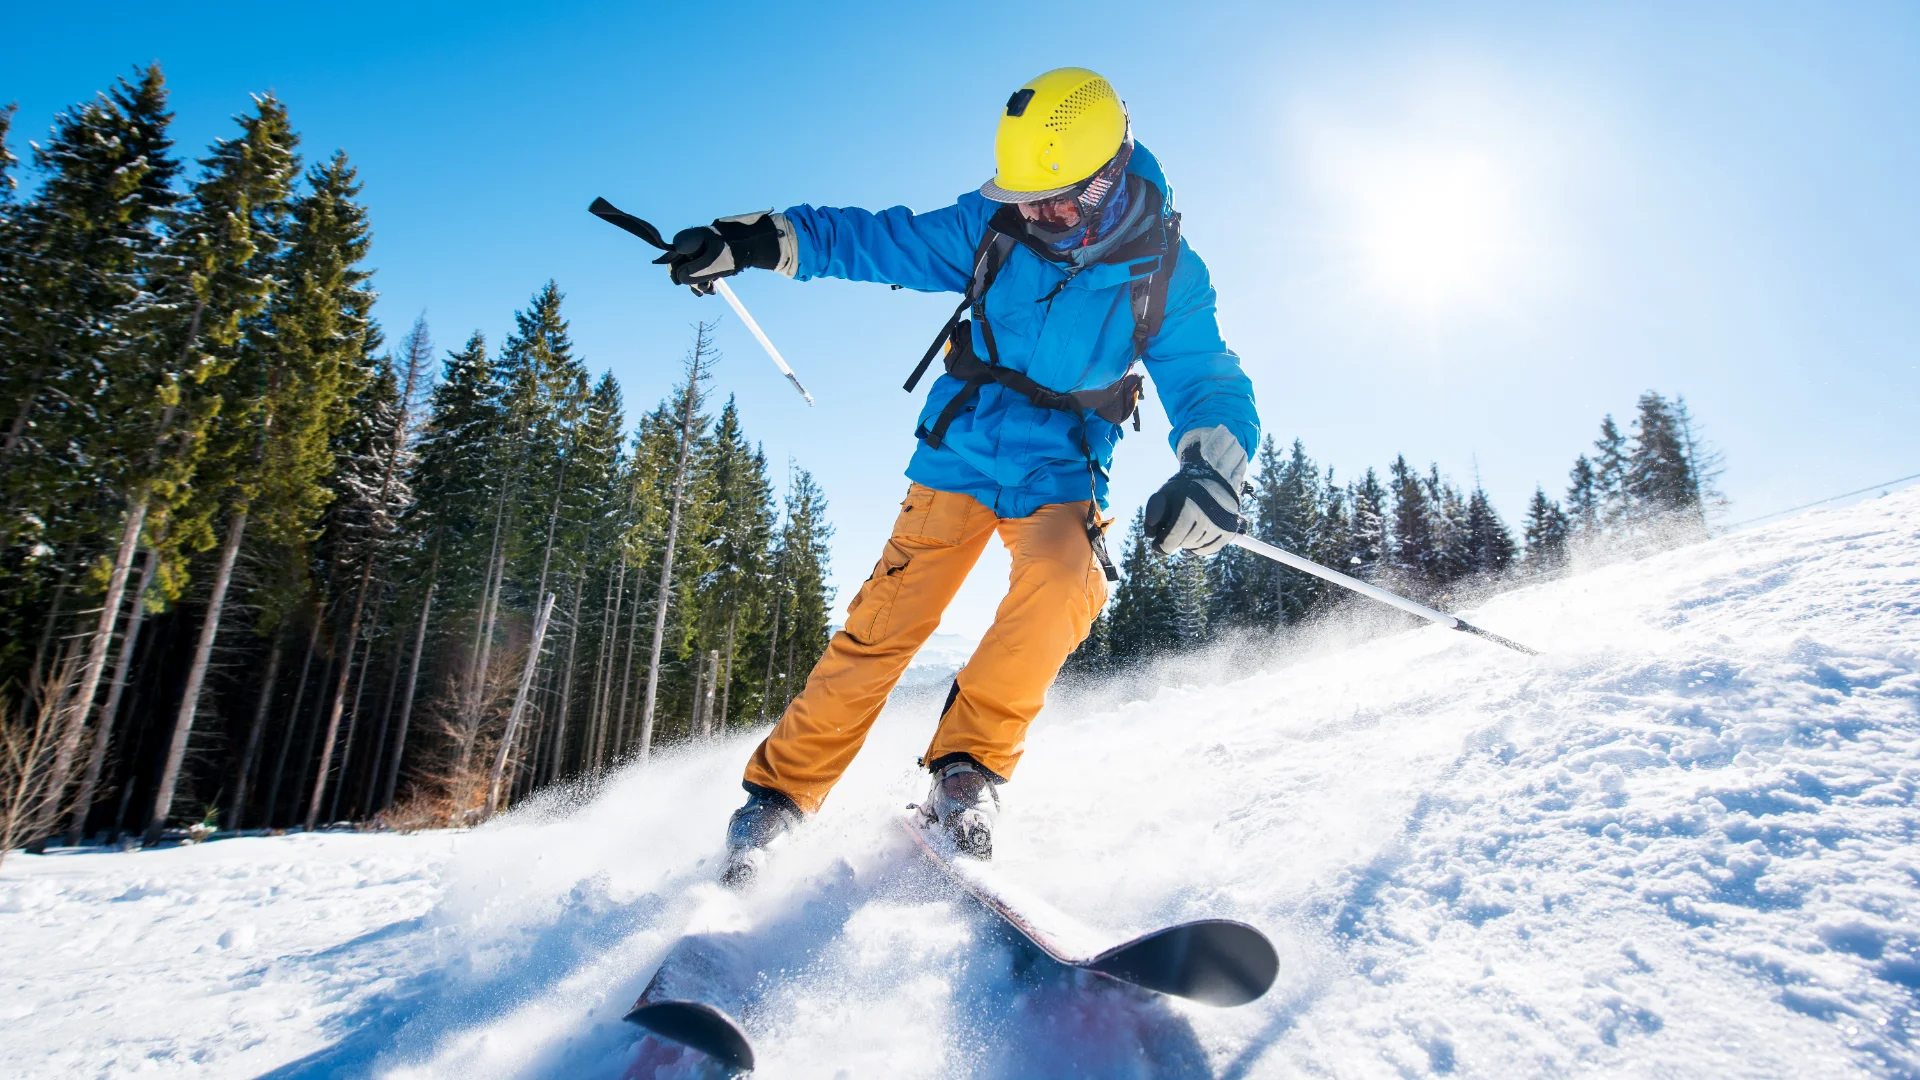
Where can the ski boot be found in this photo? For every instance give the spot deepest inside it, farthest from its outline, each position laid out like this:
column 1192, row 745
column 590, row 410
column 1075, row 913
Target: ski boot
column 963, row 803
column 767, row 816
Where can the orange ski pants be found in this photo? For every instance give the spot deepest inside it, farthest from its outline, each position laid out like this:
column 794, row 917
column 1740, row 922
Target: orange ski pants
column 1055, row 589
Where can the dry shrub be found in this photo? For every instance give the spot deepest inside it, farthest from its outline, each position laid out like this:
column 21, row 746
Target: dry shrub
column 29, row 734
column 447, row 783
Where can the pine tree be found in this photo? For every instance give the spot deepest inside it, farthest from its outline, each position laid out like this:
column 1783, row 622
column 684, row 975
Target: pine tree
column 1610, row 475
column 804, row 558
column 1369, row 527
column 1235, row 592
column 1188, row 579
column 1332, row 544
column 7, row 160
column 1295, row 524
column 699, row 361
column 1703, row 461
column 1547, row 530
column 733, row 596
column 1584, row 498
column 1490, row 545
column 227, row 249
column 1093, row 657
column 82, row 249
column 1144, row 620
column 1415, row 554
column 76, row 377
column 1659, row 477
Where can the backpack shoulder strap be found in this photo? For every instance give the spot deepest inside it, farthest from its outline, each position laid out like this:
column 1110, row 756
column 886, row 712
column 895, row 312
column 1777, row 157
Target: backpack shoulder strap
column 987, row 260
column 1150, row 292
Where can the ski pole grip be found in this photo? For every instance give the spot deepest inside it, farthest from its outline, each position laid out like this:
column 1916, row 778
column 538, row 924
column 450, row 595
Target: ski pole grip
column 1158, row 520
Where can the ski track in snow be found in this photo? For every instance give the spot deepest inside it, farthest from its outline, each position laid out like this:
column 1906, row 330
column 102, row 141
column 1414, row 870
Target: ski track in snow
column 1680, row 844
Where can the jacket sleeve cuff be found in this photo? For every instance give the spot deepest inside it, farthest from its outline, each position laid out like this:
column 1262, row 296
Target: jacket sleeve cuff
column 789, row 263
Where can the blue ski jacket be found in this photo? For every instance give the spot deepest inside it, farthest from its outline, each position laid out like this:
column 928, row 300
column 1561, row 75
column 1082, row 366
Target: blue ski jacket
column 1003, row 450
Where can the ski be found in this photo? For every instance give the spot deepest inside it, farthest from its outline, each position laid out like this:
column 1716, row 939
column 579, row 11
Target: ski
column 700, row 985
column 1212, row 961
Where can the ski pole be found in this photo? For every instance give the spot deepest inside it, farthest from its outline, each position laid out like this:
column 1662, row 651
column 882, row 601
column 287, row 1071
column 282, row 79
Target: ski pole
column 614, row 216
column 726, row 293
column 1287, row 558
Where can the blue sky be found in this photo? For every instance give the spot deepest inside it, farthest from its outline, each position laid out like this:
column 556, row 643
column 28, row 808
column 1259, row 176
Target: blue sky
column 1462, row 232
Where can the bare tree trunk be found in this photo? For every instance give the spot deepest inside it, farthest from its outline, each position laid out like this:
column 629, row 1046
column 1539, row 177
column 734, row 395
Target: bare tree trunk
column 773, row 645
column 353, row 724
column 707, row 701
column 36, row 678
column 196, row 676
column 726, row 678
column 626, row 681
column 237, row 809
column 489, row 607
column 339, row 697
column 293, row 724
column 593, row 741
column 469, row 682
column 406, row 707
column 519, row 703
column 308, row 751
column 559, row 748
column 603, row 670
column 687, row 406
column 81, row 703
column 696, row 716
column 370, row 788
column 786, row 677
column 346, row 744
column 103, row 733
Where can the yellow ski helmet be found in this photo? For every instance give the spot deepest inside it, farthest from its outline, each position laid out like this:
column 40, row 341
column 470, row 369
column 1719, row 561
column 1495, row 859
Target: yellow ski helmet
column 1055, row 132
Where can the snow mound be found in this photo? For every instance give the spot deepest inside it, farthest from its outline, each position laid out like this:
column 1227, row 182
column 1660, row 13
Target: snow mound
column 1678, row 844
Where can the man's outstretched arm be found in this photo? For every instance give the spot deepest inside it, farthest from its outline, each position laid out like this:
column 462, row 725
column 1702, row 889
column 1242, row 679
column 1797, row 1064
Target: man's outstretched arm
column 930, row 252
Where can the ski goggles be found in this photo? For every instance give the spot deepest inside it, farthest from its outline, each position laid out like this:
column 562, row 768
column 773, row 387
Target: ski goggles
column 1084, row 203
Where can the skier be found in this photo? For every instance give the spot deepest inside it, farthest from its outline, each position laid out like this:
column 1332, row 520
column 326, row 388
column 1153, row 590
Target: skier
column 1071, row 267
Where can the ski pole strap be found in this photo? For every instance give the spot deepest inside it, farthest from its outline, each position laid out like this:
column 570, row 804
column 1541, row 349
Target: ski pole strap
column 619, row 218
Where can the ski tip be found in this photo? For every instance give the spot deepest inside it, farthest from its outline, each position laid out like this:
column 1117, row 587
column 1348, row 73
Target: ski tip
column 1213, row 961
column 698, row 1026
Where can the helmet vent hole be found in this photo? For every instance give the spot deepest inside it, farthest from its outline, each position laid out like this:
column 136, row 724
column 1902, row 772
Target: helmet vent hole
column 1088, row 94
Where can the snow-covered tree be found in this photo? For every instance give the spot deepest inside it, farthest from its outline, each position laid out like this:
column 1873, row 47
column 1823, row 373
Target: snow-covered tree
column 1546, row 532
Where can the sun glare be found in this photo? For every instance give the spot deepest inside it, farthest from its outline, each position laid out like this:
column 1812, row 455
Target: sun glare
column 1433, row 234
column 1430, row 217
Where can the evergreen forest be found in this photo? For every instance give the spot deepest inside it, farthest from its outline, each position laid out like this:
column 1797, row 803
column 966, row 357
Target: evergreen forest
column 261, row 566
column 1416, row 533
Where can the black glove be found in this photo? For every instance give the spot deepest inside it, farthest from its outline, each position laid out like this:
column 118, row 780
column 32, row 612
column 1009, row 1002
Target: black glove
column 729, row 245
column 1199, row 509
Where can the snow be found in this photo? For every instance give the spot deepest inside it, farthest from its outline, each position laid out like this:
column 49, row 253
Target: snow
column 1681, row 843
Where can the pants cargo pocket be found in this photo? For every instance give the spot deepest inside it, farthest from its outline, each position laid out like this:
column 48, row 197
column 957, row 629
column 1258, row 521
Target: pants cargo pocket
column 868, row 615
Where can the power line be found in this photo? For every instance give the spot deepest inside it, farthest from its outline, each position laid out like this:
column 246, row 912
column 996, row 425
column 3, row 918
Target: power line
column 1819, row 502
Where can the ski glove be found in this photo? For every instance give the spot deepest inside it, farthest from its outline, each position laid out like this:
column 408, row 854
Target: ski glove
column 704, row 253
column 1199, row 509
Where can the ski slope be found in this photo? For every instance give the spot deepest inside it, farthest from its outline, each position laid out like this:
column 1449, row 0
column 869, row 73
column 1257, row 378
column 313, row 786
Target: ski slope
column 1679, row 844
